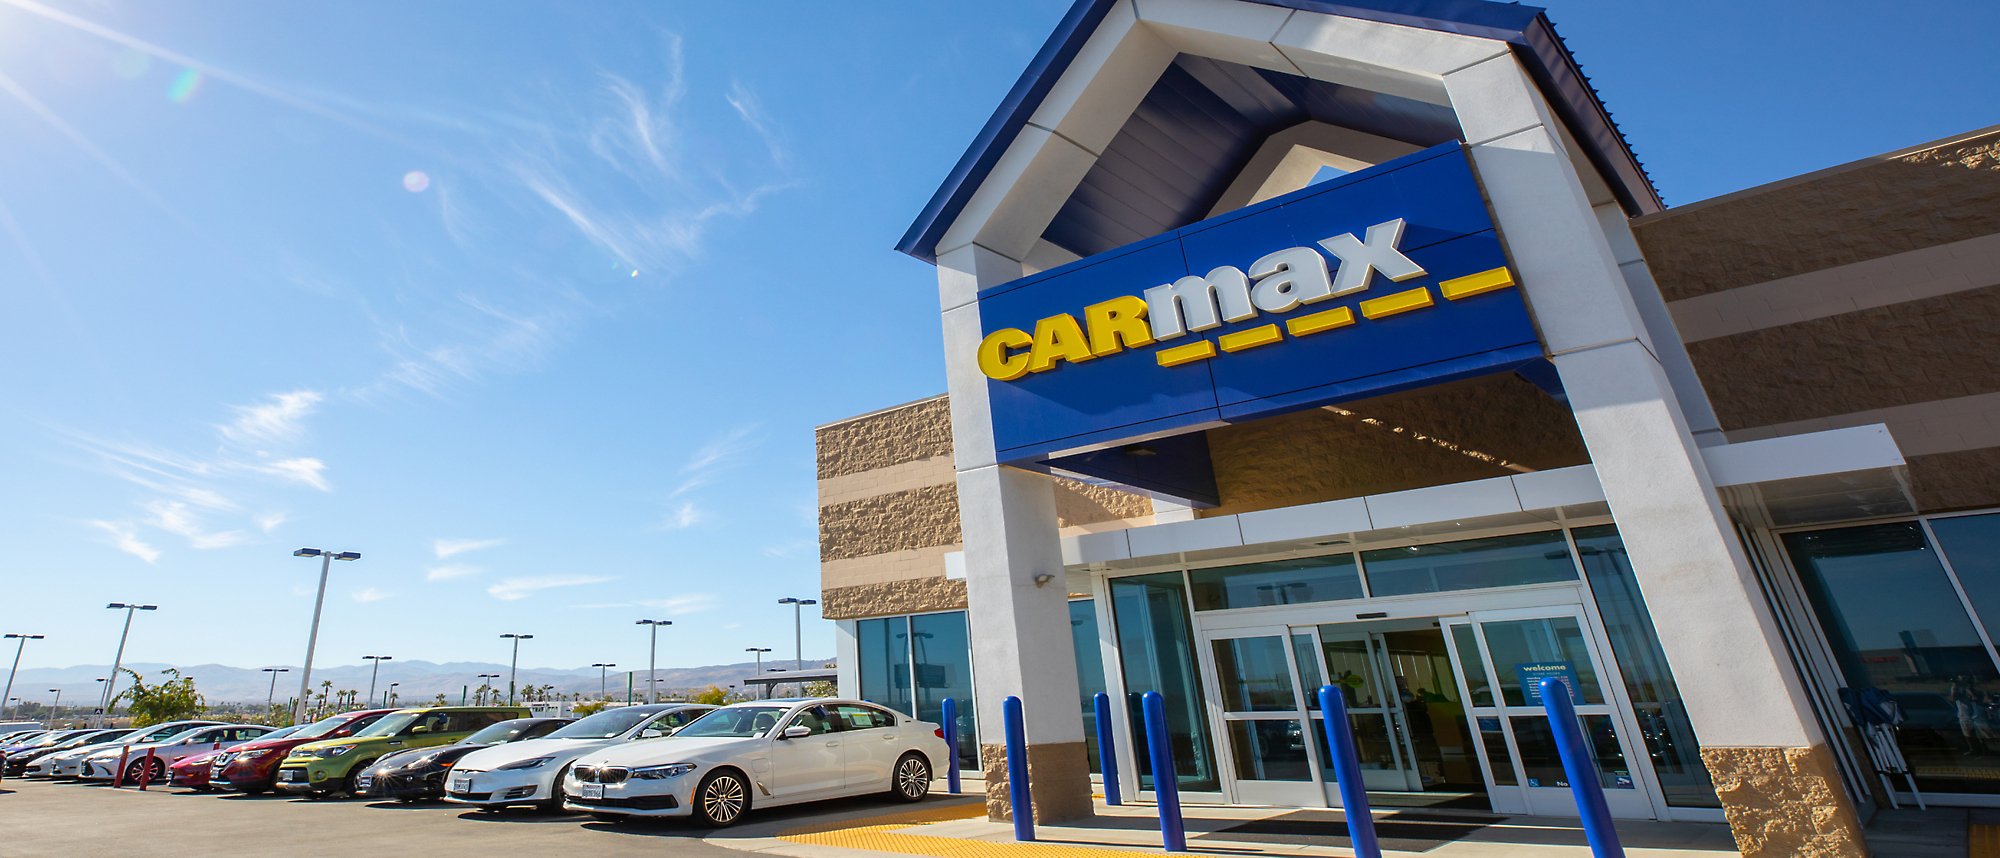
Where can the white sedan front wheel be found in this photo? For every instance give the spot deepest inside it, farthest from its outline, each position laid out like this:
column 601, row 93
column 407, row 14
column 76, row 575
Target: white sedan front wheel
column 721, row 799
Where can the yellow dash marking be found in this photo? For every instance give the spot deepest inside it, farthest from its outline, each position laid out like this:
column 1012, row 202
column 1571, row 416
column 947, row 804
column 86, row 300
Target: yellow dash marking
column 1476, row 284
column 1186, row 354
column 1401, row 302
column 1262, row 335
column 898, row 834
column 1324, row 320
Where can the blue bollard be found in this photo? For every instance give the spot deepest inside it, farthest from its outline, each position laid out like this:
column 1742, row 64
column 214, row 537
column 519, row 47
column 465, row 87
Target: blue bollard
column 1023, row 803
column 1107, row 752
column 1347, row 772
column 1166, row 783
column 1580, row 770
column 951, row 743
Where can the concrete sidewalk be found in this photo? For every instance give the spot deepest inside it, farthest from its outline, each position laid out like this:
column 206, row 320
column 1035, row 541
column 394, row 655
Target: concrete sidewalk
column 956, row 827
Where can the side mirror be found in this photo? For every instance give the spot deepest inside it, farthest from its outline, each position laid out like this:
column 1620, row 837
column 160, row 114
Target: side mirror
column 420, row 728
column 652, row 733
column 796, row 731
column 342, row 733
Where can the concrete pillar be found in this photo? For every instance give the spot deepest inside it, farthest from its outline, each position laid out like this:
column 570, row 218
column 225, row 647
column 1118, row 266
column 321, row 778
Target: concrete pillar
column 1018, row 611
column 1772, row 768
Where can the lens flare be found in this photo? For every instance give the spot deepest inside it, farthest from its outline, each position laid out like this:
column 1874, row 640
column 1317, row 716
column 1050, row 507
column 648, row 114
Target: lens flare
column 184, row 86
column 415, row 181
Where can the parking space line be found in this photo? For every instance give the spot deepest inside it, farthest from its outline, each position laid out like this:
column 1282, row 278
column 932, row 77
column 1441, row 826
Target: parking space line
column 886, row 834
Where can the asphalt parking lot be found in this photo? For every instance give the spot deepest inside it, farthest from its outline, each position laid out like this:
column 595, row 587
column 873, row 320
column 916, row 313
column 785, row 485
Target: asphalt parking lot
column 44, row 818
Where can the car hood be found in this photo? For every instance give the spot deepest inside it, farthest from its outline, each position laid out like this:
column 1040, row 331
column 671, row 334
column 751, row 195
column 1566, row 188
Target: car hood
column 323, row 744
column 653, row 752
column 563, row 750
column 201, row 759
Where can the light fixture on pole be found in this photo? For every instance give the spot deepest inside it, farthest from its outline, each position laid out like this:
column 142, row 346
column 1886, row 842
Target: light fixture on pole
column 389, row 694
column 760, row 650
column 798, row 635
column 17, row 663
column 513, row 665
column 603, row 670
column 271, row 695
column 118, row 661
column 373, row 672
column 58, row 702
column 653, row 658
column 326, row 559
column 486, row 683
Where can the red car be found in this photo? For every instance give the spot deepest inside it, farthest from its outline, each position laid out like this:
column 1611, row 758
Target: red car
column 192, row 772
column 252, row 767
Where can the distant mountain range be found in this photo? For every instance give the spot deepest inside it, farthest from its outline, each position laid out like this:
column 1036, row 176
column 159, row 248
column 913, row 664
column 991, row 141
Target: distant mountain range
column 421, row 680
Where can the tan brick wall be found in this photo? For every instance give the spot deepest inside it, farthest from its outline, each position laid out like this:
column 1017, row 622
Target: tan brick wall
column 898, row 521
column 1917, row 351
column 1874, row 208
column 1464, row 431
column 1059, row 773
column 1785, row 802
column 1080, row 504
column 916, row 596
column 1967, row 479
column 906, row 433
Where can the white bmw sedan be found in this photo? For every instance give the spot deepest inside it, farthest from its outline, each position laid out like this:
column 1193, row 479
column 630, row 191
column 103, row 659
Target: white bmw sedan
column 532, row 772
column 762, row 754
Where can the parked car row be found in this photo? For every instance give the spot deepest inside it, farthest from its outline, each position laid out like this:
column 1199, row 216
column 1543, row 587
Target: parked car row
column 712, row 764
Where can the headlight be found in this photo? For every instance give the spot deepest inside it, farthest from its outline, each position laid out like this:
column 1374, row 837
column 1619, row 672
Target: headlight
column 302, row 755
column 251, row 755
column 535, row 763
column 335, row 752
column 660, row 773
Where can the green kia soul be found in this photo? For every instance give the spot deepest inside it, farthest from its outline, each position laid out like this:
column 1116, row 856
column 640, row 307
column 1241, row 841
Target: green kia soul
column 321, row 768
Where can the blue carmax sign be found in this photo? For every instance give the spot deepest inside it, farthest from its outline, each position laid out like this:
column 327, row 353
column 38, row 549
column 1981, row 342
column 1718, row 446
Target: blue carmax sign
column 1381, row 280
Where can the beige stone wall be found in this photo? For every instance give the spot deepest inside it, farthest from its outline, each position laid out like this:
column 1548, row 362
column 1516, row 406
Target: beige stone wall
column 1785, row 802
column 1060, row 774
column 888, row 511
column 1893, row 204
column 1486, row 427
column 1867, row 293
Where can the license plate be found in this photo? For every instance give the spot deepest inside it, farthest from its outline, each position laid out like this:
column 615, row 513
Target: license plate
column 364, row 782
column 290, row 775
column 461, row 783
column 593, row 790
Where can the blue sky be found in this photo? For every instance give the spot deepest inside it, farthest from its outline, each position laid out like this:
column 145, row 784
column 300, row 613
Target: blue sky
column 536, row 305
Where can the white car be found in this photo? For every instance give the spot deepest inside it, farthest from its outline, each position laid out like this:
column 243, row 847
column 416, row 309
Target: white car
column 532, row 772
column 767, row 753
column 150, row 760
column 68, row 763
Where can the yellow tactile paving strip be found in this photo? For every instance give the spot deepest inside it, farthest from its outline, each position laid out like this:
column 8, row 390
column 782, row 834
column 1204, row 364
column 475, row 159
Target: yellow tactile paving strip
column 884, row 834
column 1983, row 841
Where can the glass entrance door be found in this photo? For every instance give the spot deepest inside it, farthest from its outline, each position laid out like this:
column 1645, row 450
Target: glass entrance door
column 1500, row 658
column 1260, row 710
column 1357, row 663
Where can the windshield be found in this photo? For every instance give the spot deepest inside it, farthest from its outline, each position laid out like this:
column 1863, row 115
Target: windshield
column 606, row 724
column 89, row 738
column 46, row 739
column 502, row 733
column 182, row 733
column 390, row 725
column 735, row 722
column 319, row 729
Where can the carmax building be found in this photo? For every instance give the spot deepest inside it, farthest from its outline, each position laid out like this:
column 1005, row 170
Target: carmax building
column 1294, row 343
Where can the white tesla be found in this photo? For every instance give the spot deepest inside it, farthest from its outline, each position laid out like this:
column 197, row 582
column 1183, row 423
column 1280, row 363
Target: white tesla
column 532, row 772
column 762, row 754
column 69, row 764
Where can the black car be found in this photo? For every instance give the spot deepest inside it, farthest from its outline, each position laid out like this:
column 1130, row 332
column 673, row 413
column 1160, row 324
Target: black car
column 419, row 772
column 17, row 763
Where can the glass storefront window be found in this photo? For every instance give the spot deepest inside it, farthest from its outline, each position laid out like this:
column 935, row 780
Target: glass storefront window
column 1269, row 750
column 943, row 668
column 1523, row 651
column 1282, row 582
column 1543, row 763
column 1656, row 700
column 1253, row 675
column 1089, row 670
column 1896, row 624
column 1501, row 561
column 1972, row 544
column 885, row 662
column 1156, row 649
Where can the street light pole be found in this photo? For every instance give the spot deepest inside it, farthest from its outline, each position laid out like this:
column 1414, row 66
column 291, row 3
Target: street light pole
column 17, row 664
column 271, row 696
column 118, row 661
column 485, row 682
column 513, row 665
column 53, row 707
column 798, row 635
column 373, row 672
column 390, row 694
column 760, row 650
column 603, row 670
column 326, row 559
column 653, row 659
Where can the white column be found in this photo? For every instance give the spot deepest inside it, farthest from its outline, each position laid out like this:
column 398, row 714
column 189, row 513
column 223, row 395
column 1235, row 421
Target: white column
column 1018, row 606
column 1752, row 718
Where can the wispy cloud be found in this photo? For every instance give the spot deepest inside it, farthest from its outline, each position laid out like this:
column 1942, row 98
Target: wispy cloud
column 682, row 517
column 448, row 571
column 446, row 548
column 676, row 606
column 176, row 518
column 369, row 594
column 281, row 418
column 126, row 538
column 751, row 111
column 304, row 471
column 515, row 589
column 482, row 338
column 270, row 521
column 783, row 550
